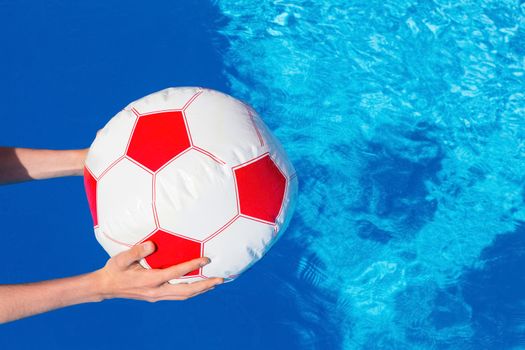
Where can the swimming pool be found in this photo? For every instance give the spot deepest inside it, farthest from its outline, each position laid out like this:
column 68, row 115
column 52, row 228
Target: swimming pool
column 404, row 120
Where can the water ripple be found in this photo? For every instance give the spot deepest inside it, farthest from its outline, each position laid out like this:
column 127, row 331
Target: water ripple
column 406, row 121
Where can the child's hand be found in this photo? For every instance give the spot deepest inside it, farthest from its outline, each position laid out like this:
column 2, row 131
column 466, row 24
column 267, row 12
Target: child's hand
column 124, row 277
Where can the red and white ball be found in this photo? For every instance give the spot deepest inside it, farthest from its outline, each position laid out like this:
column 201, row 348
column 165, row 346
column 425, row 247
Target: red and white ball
column 195, row 171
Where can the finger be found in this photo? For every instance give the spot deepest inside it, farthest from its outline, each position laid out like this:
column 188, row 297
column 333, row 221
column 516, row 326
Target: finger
column 189, row 290
column 179, row 270
column 201, row 286
column 204, row 291
column 198, row 293
column 136, row 253
column 180, row 297
column 216, row 282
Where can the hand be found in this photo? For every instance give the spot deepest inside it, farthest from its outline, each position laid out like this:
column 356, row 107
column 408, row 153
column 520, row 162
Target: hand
column 124, row 277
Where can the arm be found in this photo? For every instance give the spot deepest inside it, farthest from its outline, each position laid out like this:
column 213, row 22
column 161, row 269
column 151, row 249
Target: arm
column 121, row 277
column 22, row 164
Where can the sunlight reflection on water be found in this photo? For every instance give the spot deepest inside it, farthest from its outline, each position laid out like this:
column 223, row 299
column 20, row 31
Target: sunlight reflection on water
column 406, row 123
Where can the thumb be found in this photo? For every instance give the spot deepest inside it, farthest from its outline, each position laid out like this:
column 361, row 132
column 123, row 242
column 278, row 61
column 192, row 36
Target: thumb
column 137, row 252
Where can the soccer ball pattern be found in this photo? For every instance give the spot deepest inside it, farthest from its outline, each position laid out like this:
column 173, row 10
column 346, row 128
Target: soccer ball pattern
column 195, row 171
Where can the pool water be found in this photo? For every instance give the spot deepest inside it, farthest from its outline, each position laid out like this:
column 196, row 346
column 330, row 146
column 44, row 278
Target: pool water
column 406, row 123
column 404, row 119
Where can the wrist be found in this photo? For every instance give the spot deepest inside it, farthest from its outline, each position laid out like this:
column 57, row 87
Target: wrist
column 79, row 160
column 101, row 285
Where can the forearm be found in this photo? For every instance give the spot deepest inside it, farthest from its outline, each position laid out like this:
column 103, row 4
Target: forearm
column 121, row 277
column 22, row 164
column 22, row 300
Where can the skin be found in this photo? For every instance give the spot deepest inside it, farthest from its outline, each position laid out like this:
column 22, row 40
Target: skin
column 121, row 277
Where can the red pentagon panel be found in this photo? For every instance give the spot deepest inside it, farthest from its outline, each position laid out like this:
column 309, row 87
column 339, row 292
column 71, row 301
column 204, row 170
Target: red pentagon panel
column 157, row 138
column 90, row 185
column 261, row 189
column 172, row 250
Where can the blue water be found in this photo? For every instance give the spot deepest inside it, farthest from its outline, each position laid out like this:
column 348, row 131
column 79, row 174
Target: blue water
column 404, row 119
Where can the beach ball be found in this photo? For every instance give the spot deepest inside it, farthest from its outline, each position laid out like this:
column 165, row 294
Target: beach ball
column 197, row 172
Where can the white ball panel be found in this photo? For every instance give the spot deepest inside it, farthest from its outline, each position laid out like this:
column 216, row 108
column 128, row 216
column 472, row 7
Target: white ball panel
column 111, row 247
column 221, row 125
column 124, row 199
column 167, row 99
column 236, row 248
column 277, row 151
column 195, row 195
column 190, row 279
column 144, row 263
column 110, row 143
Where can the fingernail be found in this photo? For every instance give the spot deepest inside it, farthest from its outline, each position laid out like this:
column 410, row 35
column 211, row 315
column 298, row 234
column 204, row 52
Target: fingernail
column 148, row 246
column 206, row 262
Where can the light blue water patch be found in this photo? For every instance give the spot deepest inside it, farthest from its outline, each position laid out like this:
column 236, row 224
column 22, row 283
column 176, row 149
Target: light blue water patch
column 406, row 123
